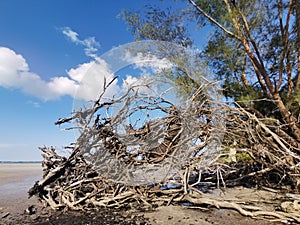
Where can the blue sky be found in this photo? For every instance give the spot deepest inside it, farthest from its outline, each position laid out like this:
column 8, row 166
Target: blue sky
column 45, row 47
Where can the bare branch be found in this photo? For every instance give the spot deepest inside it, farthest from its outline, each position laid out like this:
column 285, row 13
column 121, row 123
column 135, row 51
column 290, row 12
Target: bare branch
column 214, row 21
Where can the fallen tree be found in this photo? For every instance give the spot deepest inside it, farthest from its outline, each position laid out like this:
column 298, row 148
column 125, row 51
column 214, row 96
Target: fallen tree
column 173, row 159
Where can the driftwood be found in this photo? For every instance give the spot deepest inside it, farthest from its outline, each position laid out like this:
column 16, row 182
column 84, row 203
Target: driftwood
column 174, row 159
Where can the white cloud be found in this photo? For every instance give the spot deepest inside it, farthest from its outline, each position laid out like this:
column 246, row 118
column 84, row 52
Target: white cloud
column 62, row 86
column 71, row 34
column 90, row 44
column 34, row 104
column 15, row 73
column 83, row 82
column 91, row 77
column 10, row 65
column 141, row 60
column 144, row 61
column 130, row 80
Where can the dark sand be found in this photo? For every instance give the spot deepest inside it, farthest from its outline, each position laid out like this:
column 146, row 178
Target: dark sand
column 16, row 179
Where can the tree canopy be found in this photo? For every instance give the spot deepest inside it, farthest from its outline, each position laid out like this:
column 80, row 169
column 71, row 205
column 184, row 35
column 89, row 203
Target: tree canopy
column 254, row 50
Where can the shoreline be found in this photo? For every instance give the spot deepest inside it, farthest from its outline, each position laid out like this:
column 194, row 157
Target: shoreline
column 20, row 162
column 17, row 172
column 17, row 178
column 15, row 181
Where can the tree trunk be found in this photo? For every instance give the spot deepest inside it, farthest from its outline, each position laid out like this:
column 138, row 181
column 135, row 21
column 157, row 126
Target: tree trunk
column 287, row 116
column 252, row 50
column 297, row 7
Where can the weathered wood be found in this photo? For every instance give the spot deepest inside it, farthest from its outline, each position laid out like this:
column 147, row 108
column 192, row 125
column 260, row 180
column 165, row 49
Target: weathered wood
column 260, row 153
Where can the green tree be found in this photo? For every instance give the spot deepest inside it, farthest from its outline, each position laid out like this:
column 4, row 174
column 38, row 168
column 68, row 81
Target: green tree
column 254, row 48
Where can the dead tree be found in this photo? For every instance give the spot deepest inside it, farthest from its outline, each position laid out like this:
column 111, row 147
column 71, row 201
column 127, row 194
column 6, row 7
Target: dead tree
column 120, row 160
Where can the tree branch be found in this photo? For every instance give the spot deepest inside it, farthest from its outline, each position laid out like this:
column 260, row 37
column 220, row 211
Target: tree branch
column 284, row 54
column 297, row 6
column 213, row 20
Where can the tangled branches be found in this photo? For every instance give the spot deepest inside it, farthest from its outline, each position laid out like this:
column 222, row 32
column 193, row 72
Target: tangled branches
column 142, row 150
column 266, row 156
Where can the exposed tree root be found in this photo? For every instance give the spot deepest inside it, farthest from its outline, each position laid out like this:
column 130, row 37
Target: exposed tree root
column 95, row 172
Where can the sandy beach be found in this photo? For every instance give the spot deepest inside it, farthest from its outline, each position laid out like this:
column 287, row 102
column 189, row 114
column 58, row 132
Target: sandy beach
column 16, row 179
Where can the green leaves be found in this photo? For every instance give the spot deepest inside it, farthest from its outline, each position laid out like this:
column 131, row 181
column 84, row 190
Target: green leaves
column 157, row 24
column 253, row 48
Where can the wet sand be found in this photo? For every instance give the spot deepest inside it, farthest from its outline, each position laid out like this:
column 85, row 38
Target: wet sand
column 16, row 179
column 18, row 172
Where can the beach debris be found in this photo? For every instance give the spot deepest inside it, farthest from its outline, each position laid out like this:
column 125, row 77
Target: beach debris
column 30, row 210
column 106, row 168
column 4, row 215
column 289, row 206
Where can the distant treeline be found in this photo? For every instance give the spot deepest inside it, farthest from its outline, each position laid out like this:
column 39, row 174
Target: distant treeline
column 20, row 162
